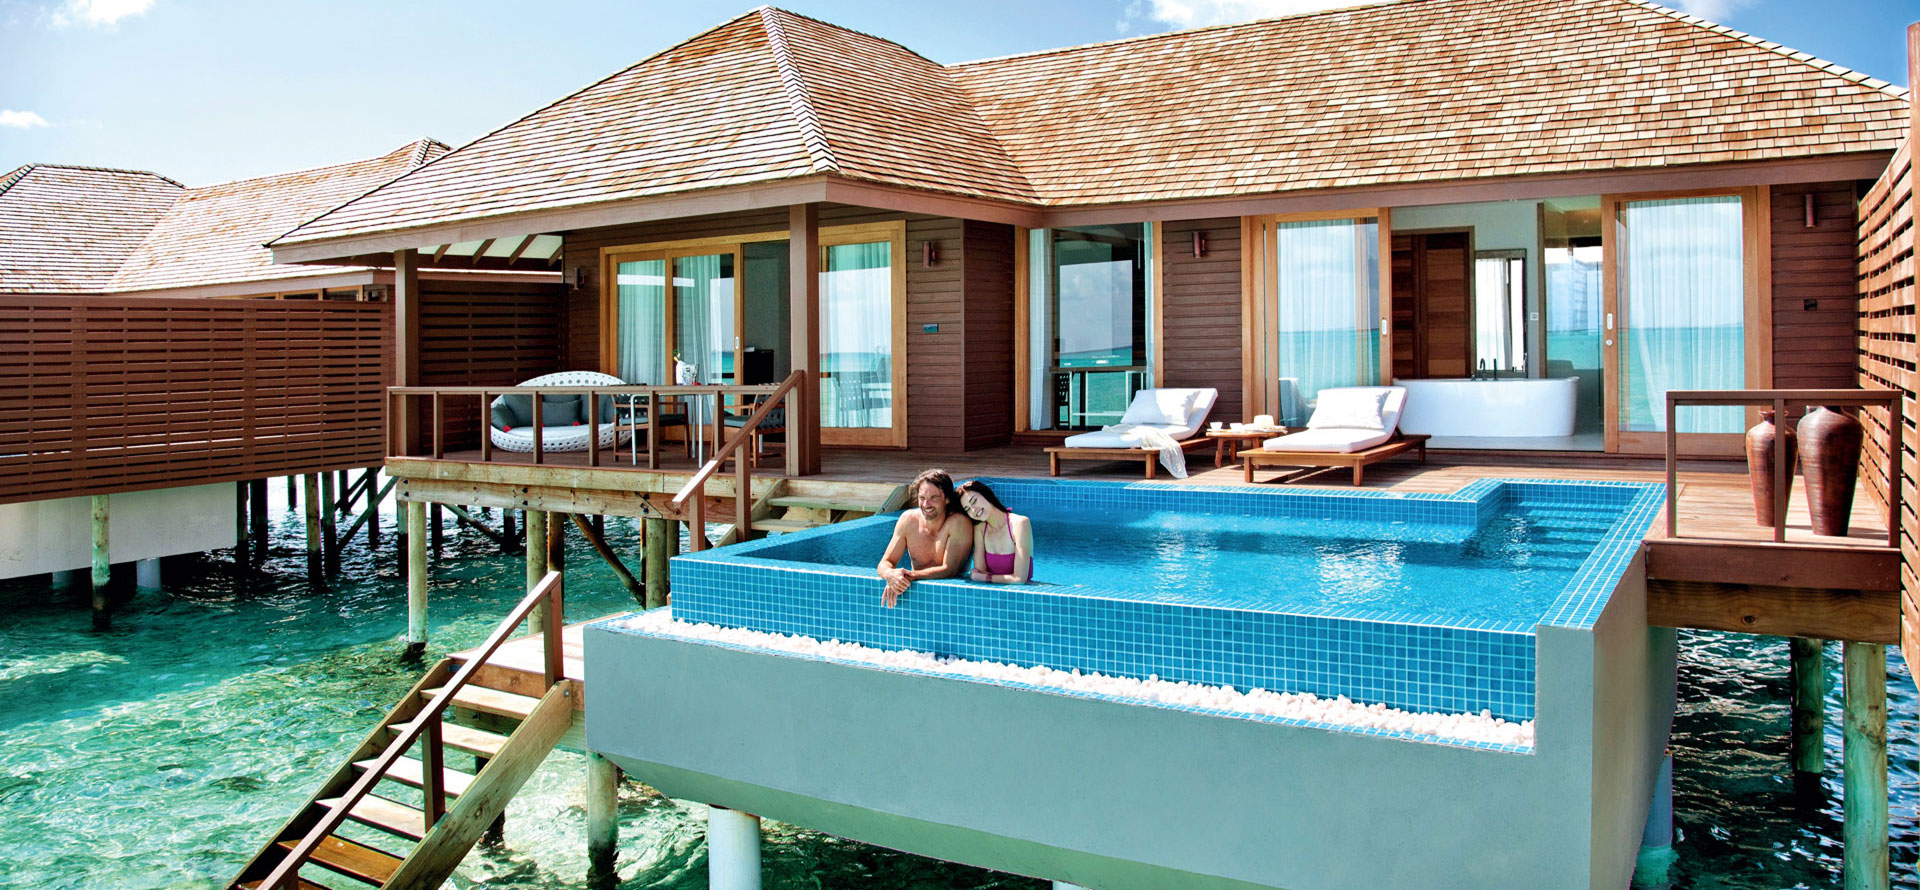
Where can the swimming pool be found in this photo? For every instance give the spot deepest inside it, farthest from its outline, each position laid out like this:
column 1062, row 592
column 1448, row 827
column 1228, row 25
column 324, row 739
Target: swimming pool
column 1423, row 602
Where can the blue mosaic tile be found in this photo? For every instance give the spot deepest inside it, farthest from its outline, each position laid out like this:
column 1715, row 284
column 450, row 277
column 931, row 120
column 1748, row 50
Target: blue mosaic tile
column 1405, row 660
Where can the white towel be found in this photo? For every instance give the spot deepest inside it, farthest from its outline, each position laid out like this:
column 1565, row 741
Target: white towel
column 1172, row 456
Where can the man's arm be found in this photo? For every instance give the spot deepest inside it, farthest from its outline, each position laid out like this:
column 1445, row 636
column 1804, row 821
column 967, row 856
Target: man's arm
column 889, row 570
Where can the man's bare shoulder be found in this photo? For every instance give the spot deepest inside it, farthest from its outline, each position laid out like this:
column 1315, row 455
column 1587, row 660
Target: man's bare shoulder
column 957, row 523
column 905, row 525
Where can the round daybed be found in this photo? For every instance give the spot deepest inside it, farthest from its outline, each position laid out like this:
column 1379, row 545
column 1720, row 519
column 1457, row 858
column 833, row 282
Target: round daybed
column 565, row 419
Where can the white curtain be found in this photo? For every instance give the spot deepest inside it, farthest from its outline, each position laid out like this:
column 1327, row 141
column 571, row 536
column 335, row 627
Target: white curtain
column 1326, row 310
column 856, row 336
column 643, row 319
column 703, row 314
column 1683, row 310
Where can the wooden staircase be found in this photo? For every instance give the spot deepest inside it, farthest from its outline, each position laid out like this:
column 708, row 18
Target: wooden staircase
column 428, row 813
column 791, row 505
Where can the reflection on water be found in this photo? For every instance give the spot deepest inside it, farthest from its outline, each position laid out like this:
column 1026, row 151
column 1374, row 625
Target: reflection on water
column 159, row 755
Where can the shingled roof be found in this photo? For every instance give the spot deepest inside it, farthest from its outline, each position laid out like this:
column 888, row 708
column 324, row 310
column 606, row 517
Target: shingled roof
column 1401, row 92
column 65, row 229
column 217, row 234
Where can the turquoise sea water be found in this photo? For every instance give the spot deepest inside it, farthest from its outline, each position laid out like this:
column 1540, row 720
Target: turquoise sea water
column 160, row 754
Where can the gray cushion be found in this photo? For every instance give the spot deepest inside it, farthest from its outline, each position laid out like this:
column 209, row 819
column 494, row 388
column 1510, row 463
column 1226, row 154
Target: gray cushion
column 503, row 418
column 559, row 410
column 606, row 408
column 521, row 406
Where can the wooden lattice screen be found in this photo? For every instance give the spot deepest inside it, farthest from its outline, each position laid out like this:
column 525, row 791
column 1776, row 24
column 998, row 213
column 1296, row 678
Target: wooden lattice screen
column 112, row 394
column 1887, row 356
column 477, row 333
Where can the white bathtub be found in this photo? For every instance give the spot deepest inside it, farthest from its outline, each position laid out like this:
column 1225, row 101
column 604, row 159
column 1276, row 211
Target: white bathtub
column 1490, row 408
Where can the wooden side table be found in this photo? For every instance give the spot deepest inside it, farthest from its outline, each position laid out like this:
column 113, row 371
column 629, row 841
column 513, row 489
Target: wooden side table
column 1240, row 439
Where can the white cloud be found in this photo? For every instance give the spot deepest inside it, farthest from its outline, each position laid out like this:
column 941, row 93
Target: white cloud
column 98, row 12
column 1716, row 11
column 1200, row 13
column 25, row 120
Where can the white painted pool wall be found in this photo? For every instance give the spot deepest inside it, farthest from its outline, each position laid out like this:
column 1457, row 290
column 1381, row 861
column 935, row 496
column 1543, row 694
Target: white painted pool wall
column 1113, row 796
column 1491, row 408
column 57, row 535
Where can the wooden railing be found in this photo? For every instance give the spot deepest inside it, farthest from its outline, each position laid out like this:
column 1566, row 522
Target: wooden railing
column 696, row 488
column 428, row 725
column 628, row 399
column 1780, row 400
column 113, row 394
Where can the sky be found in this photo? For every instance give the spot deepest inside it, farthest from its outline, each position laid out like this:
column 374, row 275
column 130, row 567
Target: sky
column 207, row 91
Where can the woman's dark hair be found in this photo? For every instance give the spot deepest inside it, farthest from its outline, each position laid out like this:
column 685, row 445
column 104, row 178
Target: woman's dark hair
column 986, row 494
column 941, row 480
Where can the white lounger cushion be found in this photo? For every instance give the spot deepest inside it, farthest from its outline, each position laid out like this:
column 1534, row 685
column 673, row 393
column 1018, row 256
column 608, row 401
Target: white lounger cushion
column 1159, row 406
column 1119, row 439
column 1328, row 439
column 1341, row 402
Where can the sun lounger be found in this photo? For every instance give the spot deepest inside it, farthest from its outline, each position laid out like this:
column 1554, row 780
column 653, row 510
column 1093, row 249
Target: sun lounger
column 1351, row 427
column 1179, row 413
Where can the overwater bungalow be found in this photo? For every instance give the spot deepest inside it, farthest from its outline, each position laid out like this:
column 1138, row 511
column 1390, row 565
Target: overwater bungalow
column 160, row 356
column 1572, row 233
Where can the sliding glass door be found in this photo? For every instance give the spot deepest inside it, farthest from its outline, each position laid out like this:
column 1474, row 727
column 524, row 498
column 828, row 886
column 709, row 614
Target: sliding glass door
column 705, row 341
column 1321, row 300
column 1679, row 319
column 1088, row 322
column 862, row 338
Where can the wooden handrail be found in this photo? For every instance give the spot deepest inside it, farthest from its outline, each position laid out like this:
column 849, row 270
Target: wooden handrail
column 428, row 722
column 742, row 493
column 1780, row 400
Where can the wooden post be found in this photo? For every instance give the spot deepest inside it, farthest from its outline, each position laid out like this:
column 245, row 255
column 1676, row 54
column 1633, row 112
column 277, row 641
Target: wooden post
column 1808, row 673
column 375, row 494
column 556, row 562
column 803, row 411
column 496, row 831
column 662, row 542
column 313, row 526
column 329, row 531
column 603, row 822
column 293, row 492
column 102, row 565
column 406, row 347
column 1863, row 834
column 240, row 543
column 259, row 518
column 436, row 528
column 416, row 538
column 593, row 533
column 507, row 532
column 536, row 547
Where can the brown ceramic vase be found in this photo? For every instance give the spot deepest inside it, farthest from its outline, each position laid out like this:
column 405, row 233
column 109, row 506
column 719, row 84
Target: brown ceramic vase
column 1763, row 441
column 1830, row 459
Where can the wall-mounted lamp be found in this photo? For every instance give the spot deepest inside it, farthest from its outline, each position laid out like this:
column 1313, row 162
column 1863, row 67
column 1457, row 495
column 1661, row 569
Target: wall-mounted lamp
column 579, row 277
column 929, row 254
column 1812, row 221
column 1199, row 244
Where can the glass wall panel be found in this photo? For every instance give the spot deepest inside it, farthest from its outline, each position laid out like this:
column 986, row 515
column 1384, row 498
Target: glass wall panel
column 703, row 315
column 1682, row 308
column 856, row 336
column 1325, row 279
column 1575, row 304
column 1089, row 324
column 642, row 336
column 765, row 330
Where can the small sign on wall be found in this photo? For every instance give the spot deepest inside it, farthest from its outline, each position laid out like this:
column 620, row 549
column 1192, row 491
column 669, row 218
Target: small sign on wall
column 929, row 329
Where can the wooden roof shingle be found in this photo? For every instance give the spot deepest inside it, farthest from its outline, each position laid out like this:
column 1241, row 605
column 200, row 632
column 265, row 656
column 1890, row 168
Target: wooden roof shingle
column 65, row 229
column 1410, row 91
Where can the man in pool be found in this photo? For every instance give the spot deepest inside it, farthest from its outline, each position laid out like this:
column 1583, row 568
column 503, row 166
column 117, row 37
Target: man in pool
column 937, row 537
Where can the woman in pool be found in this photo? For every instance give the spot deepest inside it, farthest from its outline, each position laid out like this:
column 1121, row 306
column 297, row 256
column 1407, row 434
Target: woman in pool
column 1002, row 539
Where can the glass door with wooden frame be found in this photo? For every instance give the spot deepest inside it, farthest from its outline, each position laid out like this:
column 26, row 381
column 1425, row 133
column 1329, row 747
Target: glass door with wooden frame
column 862, row 338
column 1678, row 319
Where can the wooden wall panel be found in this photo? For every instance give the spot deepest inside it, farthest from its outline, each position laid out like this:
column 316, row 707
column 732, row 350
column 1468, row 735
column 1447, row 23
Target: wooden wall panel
column 1815, row 307
column 1887, row 352
column 1201, row 311
column 987, row 324
column 936, row 362
column 486, row 334
column 111, row 395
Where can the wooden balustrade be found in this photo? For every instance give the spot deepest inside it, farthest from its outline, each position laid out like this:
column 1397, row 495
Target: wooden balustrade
column 696, row 488
column 1780, row 400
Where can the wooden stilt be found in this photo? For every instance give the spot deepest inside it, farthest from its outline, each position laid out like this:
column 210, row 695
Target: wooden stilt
column 341, row 488
column 1863, row 833
column 259, row 518
column 329, row 532
column 293, row 492
column 662, row 543
column 556, row 562
column 436, row 525
column 370, row 517
column 416, row 538
column 240, row 543
column 102, row 565
column 462, row 517
column 507, row 531
column 1808, row 672
column 536, row 547
column 313, row 525
column 603, row 822
column 599, row 541
column 496, row 831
